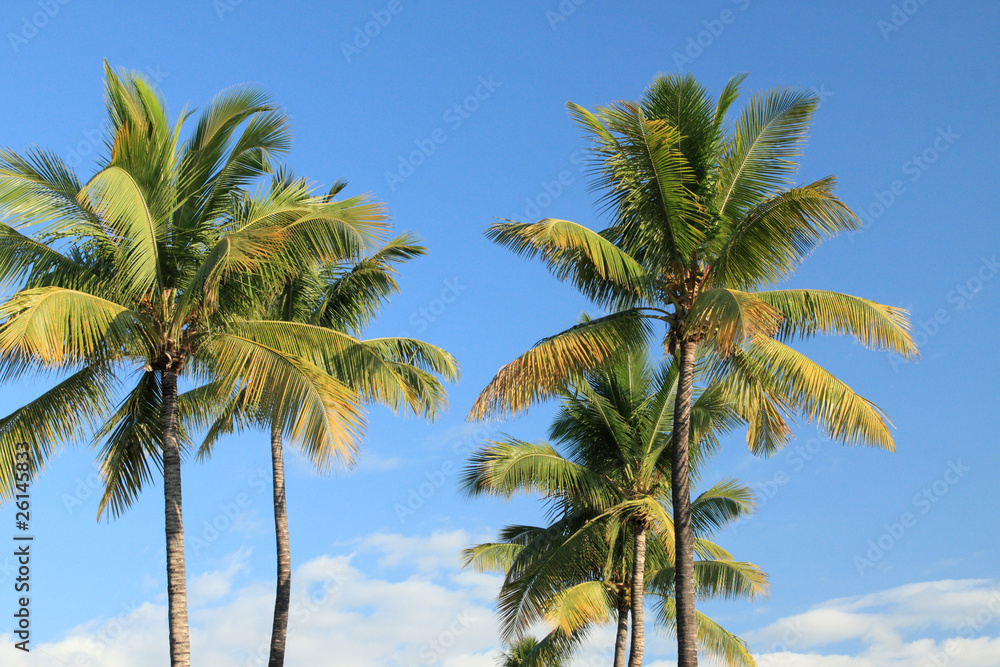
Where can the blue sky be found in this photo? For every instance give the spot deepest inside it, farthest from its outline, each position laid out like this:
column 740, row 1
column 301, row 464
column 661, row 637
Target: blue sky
column 907, row 122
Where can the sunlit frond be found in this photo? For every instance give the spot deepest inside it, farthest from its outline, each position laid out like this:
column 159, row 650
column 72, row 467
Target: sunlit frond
column 809, row 312
column 551, row 364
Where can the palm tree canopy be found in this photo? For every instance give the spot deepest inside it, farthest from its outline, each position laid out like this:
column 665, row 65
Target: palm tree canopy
column 705, row 217
column 154, row 264
column 317, row 314
column 613, row 429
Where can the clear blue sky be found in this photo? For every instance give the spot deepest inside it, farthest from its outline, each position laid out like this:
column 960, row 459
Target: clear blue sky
column 907, row 122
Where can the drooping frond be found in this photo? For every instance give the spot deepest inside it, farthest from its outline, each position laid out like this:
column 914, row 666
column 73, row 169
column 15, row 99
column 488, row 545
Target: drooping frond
column 552, row 363
column 65, row 414
column 121, row 204
column 770, row 240
column 725, row 502
column 713, row 639
column 52, row 327
column 580, row 605
column 809, row 312
column 316, row 411
column 796, row 384
column 491, row 556
column 727, row 317
column 594, row 265
column 132, row 437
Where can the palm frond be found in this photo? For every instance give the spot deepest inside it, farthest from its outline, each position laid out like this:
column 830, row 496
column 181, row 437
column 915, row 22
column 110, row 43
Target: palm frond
column 551, row 364
column 809, row 312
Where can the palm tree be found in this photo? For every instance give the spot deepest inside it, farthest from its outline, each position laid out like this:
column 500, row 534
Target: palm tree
column 612, row 537
column 146, row 274
column 342, row 297
column 704, row 218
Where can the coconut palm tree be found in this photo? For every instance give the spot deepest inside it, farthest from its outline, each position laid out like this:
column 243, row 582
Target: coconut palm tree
column 612, row 538
column 704, row 220
column 146, row 274
column 341, row 297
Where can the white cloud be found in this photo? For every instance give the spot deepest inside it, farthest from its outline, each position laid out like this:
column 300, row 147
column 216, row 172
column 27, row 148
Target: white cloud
column 927, row 624
column 429, row 612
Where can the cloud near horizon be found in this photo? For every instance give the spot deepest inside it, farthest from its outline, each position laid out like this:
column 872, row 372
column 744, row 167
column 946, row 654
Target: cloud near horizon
column 429, row 612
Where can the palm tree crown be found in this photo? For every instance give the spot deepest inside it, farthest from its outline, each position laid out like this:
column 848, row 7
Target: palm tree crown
column 611, row 487
column 705, row 218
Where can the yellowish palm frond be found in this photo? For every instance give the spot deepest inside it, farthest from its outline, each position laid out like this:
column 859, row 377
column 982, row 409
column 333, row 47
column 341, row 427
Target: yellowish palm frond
column 574, row 607
column 319, row 413
column 809, row 312
column 727, row 317
column 549, row 366
column 53, row 327
column 592, row 263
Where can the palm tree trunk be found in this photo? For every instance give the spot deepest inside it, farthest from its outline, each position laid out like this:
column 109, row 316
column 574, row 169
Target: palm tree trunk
column 621, row 637
column 180, row 642
column 687, row 647
column 282, row 597
column 638, row 584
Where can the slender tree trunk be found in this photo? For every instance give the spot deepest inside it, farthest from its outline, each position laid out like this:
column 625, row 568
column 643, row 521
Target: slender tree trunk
column 180, row 642
column 282, row 597
column 621, row 637
column 687, row 639
column 638, row 584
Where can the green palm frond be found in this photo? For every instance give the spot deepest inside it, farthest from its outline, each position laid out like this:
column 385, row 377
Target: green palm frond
column 65, row 414
column 491, row 556
column 759, row 160
column 769, row 241
column 647, row 179
column 132, row 437
column 720, row 505
column 122, row 207
column 512, row 466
